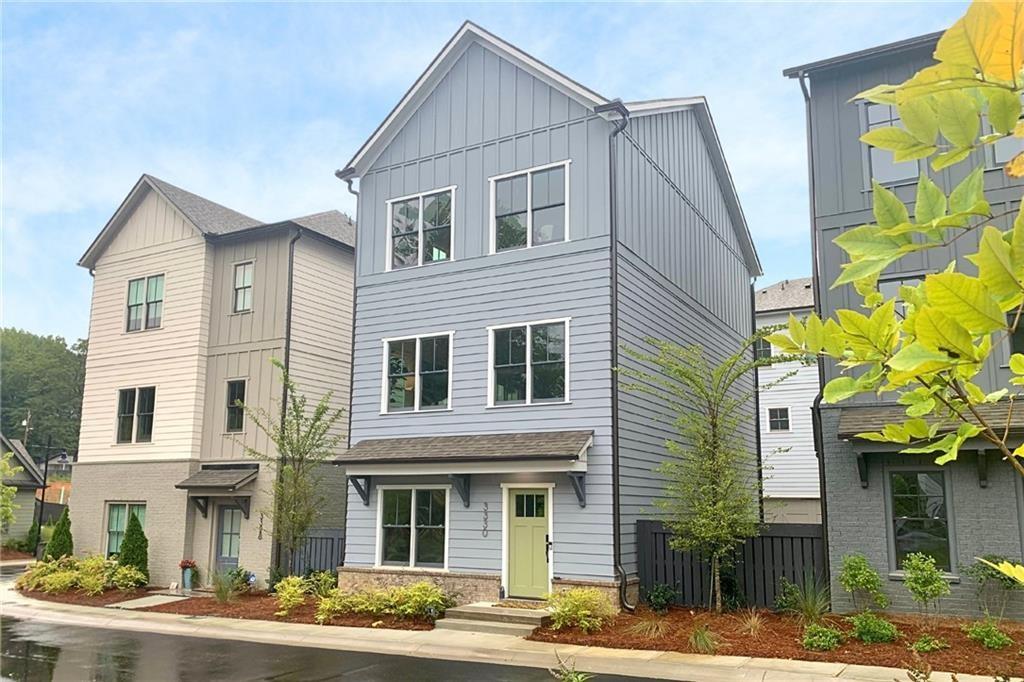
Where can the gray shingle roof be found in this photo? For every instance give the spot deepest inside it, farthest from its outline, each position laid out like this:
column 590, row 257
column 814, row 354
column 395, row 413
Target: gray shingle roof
column 473, row 448
column 860, row 419
column 220, row 478
column 209, row 216
column 785, row 295
column 333, row 224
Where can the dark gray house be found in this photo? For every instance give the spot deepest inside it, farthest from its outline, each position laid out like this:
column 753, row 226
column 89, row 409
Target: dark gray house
column 515, row 229
column 876, row 501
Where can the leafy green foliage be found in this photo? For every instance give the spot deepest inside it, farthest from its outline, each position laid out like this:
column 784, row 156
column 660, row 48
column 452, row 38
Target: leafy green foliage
column 928, row 643
column 7, row 492
column 320, row 583
column 994, row 587
column 304, row 439
column 586, row 608
column 858, row 577
column 808, row 601
column 872, row 629
column 62, row 543
column 225, row 587
column 566, row 671
column 95, row 574
column 703, row 640
column 134, row 546
column 709, row 502
column 423, row 600
column 660, row 597
column 988, row 634
column 128, row 578
column 924, row 580
column 291, row 594
column 819, row 637
column 91, row 575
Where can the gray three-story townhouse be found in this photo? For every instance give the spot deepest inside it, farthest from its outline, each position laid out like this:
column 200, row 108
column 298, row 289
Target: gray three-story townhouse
column 191, row 301
column 515, row 230
column 879, row 502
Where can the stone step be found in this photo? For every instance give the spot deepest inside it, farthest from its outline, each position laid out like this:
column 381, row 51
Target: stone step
column 489, row 627
column 499, row 614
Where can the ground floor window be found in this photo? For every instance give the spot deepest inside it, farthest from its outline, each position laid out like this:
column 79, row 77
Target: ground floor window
column 117, row 522
column 920, row 516
column 413, row 524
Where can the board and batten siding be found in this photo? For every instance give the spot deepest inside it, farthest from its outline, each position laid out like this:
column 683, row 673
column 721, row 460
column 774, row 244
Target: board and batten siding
column 486, row 117
column 563, row 280
column 790, row 466
column 155, row 239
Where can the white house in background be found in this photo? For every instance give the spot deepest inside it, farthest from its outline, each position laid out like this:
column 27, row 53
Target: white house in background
column 792, row 493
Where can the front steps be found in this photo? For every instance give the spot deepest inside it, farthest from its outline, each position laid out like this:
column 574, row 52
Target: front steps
column 496, row 620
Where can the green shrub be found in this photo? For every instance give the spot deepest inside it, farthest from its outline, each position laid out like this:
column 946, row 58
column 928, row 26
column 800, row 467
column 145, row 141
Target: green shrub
column 60, row 581
column 320, row 583
column 872, row 629
column 134, row 546
column 586, row 608
column 31, row 578
column 821, row 637
column 703, row 640
column 95, row 574
column 927, row 644
column 241, row 580
column 924, row 580
column 332, row 604
column 31, row 540
column 224, row 589
column 862, row 581
column 809, row 601
column 660, row 597
column 419, row 600
column 994, row 587
column 128, row 578
column 988, row 634
column 291, row 593
column 62, row 543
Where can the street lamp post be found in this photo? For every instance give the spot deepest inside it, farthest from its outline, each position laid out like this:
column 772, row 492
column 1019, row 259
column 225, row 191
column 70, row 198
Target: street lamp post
column 62, row 456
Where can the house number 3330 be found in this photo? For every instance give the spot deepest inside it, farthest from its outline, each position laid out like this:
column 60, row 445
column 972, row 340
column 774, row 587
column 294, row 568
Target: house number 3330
column 483, row 531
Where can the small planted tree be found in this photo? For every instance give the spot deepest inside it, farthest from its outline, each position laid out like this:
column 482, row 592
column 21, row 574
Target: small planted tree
column 135, row 546
column 304, row 440
column 61, row 544
column 709, row 503
column 7, row 492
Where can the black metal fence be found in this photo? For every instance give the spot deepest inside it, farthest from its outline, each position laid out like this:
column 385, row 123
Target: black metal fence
column 790, row 550
column 322, row 550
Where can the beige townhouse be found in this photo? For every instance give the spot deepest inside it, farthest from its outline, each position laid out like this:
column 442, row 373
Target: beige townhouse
column 191, row 301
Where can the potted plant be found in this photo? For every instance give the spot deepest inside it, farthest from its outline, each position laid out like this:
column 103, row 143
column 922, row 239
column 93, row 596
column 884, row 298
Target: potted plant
column 189, row 572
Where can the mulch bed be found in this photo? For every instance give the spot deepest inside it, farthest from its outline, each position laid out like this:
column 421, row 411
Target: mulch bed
column 11, row 554
column 262, row 606
column 76, row 597
column 780, row 637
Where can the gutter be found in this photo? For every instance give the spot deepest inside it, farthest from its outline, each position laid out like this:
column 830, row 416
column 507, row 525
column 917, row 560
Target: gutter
column 757, row 410
column 819, row 450
column 618, row 107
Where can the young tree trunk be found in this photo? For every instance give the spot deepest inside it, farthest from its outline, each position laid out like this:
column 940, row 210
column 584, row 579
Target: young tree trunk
column 716, row 576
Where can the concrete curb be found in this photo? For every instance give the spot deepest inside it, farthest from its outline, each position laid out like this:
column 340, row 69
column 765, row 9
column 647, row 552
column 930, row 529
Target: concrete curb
column 457, row 646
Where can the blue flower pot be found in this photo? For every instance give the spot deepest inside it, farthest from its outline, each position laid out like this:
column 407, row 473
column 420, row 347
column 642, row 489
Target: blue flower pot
column 186, row 578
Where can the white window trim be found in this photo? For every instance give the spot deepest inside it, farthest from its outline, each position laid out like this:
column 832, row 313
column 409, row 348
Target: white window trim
column 384, row 372
column 768, row 418
column 493, row 223
column 379, row 535
column 506, row 488
column 529, row 363
column 419, row 228
column 234, row 289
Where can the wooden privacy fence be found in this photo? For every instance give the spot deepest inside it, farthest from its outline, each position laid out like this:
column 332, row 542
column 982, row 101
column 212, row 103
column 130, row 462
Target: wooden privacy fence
column 789, row 550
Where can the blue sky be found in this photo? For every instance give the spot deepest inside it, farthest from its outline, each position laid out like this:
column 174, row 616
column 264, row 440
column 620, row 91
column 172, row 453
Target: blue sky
column 255, row 105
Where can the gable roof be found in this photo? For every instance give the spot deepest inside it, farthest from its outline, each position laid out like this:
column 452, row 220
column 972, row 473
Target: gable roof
column 24, row 460
column 915, row 43
column 212, row 220
column 470, row 33
column 789, row 294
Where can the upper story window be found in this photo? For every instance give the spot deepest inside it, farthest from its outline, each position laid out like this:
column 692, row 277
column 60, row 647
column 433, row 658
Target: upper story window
column 135, row 408
column 778, row 419
column 420, row 229
column 417, row 373
column 881, row 166
column 920, row 519
column 145, row 303
column 890, row 288
column 235, row 411
column 530, row 208
column 243, row 287
column 762, row 349
column 529, row 363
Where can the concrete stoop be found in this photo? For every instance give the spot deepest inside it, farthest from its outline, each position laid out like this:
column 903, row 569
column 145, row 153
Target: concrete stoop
column 496, row 620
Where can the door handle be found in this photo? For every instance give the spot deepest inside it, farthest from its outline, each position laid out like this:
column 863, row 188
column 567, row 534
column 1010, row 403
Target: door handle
column 547, row 549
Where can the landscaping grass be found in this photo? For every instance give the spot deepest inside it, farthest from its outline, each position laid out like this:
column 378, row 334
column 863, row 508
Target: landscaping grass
column 780, row 636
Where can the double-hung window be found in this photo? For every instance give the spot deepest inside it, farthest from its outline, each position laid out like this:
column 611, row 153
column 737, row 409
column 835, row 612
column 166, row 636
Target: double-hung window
column 762, row 349
column 530, row 208
column 135, row 409
column 529, row 363
column 920, row 517
column 881, row 165
column 420, row 229
column 145, row 303
column 242, row 300
column 235, row 411
column 413, row 527
column 117, row 522
column 778, row 419
column 417, row 373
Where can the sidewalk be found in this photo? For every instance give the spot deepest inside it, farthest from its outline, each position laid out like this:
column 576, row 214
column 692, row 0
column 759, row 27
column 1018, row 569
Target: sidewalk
column 457, row 646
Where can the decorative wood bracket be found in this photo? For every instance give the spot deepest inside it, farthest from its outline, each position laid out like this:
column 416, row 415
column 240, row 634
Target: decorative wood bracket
column 461, row 485
column 362, row 486
column 243, row 505
column 202, row 504
column 579, row 486
column 862, row 469
column 982, row 468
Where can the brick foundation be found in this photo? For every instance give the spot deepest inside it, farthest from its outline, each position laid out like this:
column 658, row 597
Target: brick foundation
column 466, row 587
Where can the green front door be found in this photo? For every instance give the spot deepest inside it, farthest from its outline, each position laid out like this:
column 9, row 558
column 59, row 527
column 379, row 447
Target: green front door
column 528, row 543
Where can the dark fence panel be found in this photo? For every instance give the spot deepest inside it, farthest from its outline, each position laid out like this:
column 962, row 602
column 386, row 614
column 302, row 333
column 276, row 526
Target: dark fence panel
column 790, row 550
column 322, row 550
column 51, row 511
